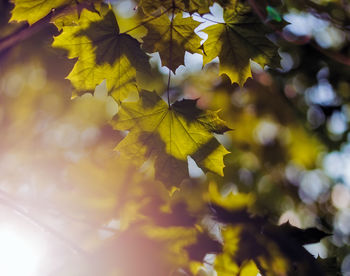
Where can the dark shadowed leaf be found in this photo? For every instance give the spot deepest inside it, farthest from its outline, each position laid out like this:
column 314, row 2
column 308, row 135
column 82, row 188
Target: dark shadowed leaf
column 169, row 135
column 260, row 240
column 303, row 236
column 103, row 53
column 172, row 40
column 329, row 266
column 204, row 245
column 236, row 42
column 191, row 6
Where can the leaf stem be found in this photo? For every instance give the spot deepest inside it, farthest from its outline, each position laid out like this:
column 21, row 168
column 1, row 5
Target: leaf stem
column 170, row 51
column 168, row 88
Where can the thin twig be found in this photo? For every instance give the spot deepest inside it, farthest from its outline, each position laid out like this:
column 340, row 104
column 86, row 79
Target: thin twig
column 211, row 20
column 168, row 87
column 27, row 31
column 25, row 205
column 146, row 21
column 83, row 221
column 6, row 200
column 202, row 16
column 257, row 10
column 22, row 34
column 208, row 19
column 170, row 52
column 333, row 55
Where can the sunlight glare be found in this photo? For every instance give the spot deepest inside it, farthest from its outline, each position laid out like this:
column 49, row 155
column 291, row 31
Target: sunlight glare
column 19, row 255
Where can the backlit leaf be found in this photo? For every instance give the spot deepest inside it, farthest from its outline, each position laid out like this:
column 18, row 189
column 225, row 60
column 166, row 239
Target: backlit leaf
column 103, row 53
column 191, row 6
column 34, row 10
column 237, row 41
column 169, row 135
column 172, row 39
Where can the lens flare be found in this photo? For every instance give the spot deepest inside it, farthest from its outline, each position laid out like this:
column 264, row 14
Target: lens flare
column 19, row 255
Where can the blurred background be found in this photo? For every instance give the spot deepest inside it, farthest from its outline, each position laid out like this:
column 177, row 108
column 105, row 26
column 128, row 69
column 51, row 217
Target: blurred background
column 59, row 175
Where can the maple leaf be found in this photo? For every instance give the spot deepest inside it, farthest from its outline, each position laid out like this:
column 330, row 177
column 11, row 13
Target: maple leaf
column 191, row 6
column 259, row 235
column 103, row 53
column 303, row 236
column 237, row 41
column 171, row 39
column 230, row 4
column 170, row 135
column 329, row 266
column 34, row 10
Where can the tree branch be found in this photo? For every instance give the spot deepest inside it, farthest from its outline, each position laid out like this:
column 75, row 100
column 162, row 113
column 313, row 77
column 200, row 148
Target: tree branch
column 27, row 31
column 22, row 34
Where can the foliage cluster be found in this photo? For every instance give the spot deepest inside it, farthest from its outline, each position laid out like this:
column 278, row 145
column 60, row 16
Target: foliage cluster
column 209, row 164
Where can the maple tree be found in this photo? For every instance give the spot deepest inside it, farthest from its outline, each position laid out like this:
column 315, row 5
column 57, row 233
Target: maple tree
column 183, row 172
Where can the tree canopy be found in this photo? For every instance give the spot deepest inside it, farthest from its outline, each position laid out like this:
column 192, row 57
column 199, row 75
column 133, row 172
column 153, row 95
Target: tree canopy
column 177, row 137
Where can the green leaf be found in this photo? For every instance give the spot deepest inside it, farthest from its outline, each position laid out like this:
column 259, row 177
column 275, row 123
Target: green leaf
column 34, row 10
column 103, row 53
column 191, row 6
column 242, row 38
column 273, row 14
column 170, row 135
column 171, row 40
